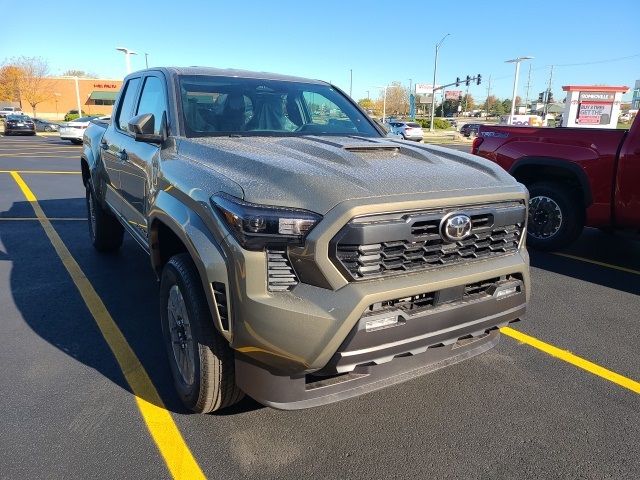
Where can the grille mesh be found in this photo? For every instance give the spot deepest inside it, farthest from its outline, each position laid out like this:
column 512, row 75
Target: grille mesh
column 424, row 248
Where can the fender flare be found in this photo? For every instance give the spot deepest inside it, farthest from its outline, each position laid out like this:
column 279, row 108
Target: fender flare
column 202, row 247
column 569, row 166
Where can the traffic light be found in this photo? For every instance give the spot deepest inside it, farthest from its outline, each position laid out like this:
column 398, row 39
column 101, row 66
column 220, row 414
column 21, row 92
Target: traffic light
column 478, row 79
column 457, row 81
column 541, row 97
column 550, row 97
column 467, row 82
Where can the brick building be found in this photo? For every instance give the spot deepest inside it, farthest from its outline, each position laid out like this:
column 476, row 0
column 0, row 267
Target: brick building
column 97, row 96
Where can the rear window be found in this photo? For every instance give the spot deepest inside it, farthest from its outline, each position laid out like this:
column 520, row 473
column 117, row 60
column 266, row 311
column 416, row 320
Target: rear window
column 413, row 125
column 18, row 118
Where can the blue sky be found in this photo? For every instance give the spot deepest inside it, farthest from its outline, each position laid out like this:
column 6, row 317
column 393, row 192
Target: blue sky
column 381, row 41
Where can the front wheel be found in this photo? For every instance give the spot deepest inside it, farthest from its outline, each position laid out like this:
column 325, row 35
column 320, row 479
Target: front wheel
column 556, row 216
column 105, row 231
column 202, row 363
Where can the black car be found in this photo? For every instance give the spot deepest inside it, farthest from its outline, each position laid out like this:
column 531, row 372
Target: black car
column 44, row 126
column 470, row 129
column 19, row 124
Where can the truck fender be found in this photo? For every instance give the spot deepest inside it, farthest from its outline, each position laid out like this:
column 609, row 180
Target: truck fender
column 201, row 245
column 571, row 168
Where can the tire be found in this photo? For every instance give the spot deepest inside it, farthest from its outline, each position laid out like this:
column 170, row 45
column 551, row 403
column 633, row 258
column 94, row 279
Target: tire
column 556, row 216
column 48, row 129
column 208, row 383
column 105, row 231
column 76, row 141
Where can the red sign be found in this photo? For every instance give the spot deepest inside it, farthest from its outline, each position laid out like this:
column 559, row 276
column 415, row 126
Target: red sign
column 452, row 94
column 105, row 85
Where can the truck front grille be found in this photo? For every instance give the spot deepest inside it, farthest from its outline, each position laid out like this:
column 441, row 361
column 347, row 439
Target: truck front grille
column 377, row 246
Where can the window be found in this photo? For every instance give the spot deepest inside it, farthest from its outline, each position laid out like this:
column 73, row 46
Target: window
column 152, row 100
column 215, row 105
column 98, row 101
column 126, row 107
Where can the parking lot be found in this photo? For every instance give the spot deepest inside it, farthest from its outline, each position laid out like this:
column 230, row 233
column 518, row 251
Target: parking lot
column 87, row 393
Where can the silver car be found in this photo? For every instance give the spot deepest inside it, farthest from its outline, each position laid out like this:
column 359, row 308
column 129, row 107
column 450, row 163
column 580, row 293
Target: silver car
column 74, row 130
column 408, row 130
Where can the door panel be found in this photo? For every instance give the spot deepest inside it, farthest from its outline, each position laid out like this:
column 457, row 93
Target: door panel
column 627, row 194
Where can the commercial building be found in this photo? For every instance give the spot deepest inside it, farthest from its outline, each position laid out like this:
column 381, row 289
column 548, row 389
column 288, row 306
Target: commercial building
column 97, row 96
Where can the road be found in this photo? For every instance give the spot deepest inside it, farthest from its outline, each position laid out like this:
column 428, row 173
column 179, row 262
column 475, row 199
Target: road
column 514, row 412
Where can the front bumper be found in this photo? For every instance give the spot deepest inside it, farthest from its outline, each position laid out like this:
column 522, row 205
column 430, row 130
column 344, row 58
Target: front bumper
column 308, row 346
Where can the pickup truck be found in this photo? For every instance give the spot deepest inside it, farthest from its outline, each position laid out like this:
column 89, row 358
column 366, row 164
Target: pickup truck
column 303, row 256
column 576, row 177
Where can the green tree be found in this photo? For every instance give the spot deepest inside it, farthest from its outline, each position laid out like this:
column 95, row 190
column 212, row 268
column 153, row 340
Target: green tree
column 450, row 108
column 468, row 102
column 366, row 103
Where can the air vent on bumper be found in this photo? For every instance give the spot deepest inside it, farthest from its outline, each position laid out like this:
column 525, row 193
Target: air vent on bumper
column 280, row 274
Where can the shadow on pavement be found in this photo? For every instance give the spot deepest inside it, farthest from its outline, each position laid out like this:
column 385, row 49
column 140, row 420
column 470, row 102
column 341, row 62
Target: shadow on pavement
column 52, row 307
column 614, row 249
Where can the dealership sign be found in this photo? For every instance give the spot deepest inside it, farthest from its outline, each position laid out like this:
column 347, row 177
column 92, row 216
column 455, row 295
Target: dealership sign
column 453, row 94
column 425, row 88
column 595, row 108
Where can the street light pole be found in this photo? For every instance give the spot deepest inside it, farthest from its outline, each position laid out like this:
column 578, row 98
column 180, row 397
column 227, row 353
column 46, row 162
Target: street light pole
column 515, row 84
column 384, row 102
column 435, row 72
column 146, row 60
column 78, row 97
column 350, row 81
column 127, row 57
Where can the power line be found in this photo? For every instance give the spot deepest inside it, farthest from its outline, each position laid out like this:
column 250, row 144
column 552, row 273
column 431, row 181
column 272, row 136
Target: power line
column 596, row 62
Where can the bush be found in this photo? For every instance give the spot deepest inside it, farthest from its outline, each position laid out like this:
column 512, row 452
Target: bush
column 73, row 114
column 438, row 123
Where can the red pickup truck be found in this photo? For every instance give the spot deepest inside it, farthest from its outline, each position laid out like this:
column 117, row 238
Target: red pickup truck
column 576, row 177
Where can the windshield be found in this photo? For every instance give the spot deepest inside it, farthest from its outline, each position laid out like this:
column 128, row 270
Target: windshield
column 215, row 106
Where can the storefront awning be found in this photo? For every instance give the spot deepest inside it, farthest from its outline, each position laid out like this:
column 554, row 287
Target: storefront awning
column 96, row 95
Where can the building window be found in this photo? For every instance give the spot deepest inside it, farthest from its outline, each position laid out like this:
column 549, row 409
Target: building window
column 102, row 102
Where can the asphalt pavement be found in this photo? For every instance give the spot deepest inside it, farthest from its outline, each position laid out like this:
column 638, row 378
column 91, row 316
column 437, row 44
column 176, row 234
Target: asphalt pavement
column 517, row 411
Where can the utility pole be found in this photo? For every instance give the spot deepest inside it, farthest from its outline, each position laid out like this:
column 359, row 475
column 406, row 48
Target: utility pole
column 546, row 103
column 146, row 59
column 350, row 81
column 526, row 98
column 486, row 104
column 433, row 88
column 368, row 96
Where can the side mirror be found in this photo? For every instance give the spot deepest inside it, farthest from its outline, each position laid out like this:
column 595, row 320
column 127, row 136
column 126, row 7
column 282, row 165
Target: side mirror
column 143, row 128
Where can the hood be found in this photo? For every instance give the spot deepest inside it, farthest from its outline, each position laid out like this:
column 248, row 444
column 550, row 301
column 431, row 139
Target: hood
column 317, row 173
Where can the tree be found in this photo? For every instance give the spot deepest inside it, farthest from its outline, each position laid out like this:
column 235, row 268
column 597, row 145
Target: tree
column 450, row 107
column 397, row 99
column 468, row 102
column 78, row 73
column 10, row 83
column 366, row 103
column 506, row 105
column 35, row 84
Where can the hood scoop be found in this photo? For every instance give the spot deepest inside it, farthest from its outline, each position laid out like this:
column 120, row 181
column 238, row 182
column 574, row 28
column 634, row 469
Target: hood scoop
column 372, row 150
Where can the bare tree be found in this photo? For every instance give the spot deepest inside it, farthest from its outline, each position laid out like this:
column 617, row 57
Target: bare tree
column 78, row 73
column 36, row 86
column 397, row 99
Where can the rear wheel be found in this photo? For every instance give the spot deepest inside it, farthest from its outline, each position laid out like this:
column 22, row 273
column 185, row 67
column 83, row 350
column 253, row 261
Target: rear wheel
column 556, row 216
column 202, row 364
column 75, row 141
column 105, row 231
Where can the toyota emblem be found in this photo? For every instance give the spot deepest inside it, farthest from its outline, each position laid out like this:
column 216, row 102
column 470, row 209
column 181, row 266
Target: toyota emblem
column 455, row 227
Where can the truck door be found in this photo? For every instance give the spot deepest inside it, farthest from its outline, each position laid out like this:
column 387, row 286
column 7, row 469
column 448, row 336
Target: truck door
column 136, row 173
column 627, row 192
column 115, row 140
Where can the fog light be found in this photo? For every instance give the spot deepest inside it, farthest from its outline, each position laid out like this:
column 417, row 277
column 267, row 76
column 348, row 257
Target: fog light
column 505, row 291
column 380, row 323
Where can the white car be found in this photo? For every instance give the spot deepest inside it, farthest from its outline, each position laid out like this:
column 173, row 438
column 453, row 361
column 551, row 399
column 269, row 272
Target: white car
column 74, row 130
column 4, row 111
column 408, row 130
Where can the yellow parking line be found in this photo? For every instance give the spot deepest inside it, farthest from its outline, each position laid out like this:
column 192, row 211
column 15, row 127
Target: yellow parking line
column 573, row 359
column 163, row 430
column 596, row 262
column 42, row 172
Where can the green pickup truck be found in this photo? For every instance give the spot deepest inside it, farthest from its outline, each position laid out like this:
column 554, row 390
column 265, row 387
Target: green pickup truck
column 304, row 256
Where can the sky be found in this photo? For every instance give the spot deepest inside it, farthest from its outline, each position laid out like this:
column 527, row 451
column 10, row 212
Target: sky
column 589, row 42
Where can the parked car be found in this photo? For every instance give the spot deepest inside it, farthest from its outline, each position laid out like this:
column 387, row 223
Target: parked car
column 5, row 111
column 45, row 126
column 576, row 177
column 19, row 125
column 408, row 130
column 452, row 121
column 302, row 259
column 470, row 129
column 74, row 130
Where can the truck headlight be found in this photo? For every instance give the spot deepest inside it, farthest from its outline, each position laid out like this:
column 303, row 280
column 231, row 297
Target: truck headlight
column 257, row 226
